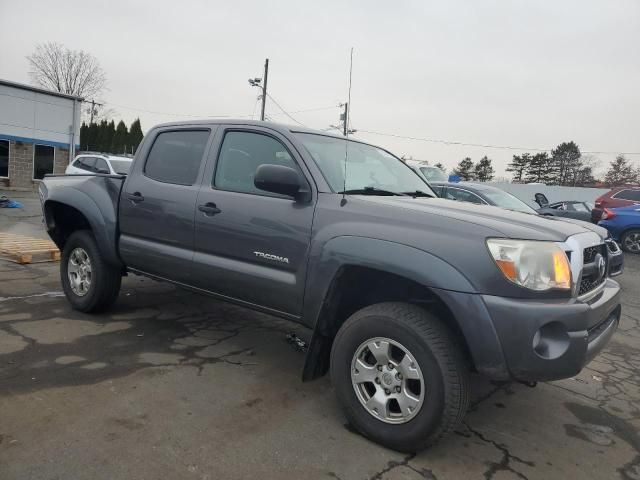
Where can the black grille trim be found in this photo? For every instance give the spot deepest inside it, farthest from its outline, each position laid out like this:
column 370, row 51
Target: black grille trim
column 591, row 278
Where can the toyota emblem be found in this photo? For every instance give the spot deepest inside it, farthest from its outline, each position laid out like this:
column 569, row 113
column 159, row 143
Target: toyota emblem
column 602, row 266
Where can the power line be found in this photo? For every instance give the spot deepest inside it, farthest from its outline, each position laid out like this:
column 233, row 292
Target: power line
column 173, row 114
column 285, row 112
column 481, row 145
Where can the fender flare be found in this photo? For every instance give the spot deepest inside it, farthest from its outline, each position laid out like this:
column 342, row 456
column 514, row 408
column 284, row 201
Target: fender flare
column 103, row 220
column 409, row 262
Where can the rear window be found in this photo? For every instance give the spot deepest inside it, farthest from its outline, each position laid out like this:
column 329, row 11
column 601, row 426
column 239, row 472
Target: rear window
column 175, row 157
column 121, row 166
column 85, row 163
column 633, row 195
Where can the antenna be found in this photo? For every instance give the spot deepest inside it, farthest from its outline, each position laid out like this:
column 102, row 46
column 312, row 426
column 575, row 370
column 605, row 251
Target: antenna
column 346, row 132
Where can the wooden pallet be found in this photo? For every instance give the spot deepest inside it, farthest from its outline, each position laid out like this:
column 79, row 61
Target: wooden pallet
column 21, row 249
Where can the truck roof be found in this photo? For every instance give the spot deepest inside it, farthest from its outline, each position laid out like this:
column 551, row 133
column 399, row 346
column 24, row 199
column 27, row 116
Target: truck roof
column 280, row 127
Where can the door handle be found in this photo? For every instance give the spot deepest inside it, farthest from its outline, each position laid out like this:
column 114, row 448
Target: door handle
column 135, row 197
column 209, row 209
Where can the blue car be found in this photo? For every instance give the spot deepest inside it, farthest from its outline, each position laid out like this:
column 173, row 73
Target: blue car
column 624, row 226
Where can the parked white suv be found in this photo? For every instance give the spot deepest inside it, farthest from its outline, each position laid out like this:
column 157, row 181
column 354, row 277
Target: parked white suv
column 432, row 174
column 99, row 163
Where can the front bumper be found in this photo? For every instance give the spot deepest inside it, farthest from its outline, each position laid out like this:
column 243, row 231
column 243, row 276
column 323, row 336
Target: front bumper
column 553, row 339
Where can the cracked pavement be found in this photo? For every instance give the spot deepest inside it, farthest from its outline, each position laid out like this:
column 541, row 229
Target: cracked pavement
column 170, row 384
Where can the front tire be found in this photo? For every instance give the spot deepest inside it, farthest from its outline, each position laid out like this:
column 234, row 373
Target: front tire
column 630, row 241
column 89, row 283
column 399, row 375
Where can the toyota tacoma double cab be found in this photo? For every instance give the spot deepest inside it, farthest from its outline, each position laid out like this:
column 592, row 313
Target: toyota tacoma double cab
column 405, row 293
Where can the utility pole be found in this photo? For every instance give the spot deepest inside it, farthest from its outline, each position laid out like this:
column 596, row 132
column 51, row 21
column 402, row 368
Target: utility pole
column 93, row 109
column 264, row 87
column 345, row 119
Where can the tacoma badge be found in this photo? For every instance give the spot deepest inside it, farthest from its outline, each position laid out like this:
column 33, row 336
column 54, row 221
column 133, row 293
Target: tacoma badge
column 269, row 256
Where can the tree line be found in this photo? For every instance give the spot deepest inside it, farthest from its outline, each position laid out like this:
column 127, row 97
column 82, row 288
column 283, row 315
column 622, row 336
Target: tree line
column 482, row 171
column 566, row 166
column 106, row 137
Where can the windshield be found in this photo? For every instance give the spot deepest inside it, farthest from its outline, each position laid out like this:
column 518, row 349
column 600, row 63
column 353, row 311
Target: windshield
column 582, row 207
column 508, row 201
column 434, row 174
column 121, row 166
column 368, row 167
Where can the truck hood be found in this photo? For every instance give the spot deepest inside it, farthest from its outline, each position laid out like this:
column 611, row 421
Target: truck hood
column 506, row 223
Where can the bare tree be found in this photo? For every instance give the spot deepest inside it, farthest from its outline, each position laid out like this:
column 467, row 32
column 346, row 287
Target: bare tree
column 74, row 72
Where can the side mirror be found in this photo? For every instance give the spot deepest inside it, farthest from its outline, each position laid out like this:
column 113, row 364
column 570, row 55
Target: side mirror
column 541, row 199
column 278, row 179
column 103, row 170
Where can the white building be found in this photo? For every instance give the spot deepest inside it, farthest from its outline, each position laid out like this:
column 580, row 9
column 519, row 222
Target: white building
column 39, row 133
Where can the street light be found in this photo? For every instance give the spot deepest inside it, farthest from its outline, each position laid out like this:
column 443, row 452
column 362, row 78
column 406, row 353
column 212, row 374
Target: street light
column 257, row 82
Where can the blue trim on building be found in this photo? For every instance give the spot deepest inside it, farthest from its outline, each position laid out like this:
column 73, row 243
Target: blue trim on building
column 36, row 140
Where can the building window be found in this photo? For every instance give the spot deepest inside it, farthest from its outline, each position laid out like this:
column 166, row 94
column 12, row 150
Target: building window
column 43, row 156
column 4, row 158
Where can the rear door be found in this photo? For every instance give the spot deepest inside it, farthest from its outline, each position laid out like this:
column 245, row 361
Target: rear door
column 158, row 201
column 252, row 245
column 623, row 198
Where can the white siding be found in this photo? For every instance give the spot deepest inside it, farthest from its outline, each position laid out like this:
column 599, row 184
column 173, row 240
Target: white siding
column 37, row 117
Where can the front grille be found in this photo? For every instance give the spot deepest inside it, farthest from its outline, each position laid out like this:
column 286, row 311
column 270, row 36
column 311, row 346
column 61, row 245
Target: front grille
column 592, row 276
column 587, row 285
column 590, row 253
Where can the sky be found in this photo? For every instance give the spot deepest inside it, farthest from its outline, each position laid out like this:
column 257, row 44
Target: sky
column 525, row 74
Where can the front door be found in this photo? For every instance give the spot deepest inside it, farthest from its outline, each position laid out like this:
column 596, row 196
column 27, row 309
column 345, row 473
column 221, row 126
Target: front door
column 158, row 202
column 251, row 245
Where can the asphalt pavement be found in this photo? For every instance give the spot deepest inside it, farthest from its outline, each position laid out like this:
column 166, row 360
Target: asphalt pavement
column 172, row 385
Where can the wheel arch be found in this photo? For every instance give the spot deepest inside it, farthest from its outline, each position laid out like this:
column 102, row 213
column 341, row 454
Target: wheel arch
column 353, row 272
column 78, row 211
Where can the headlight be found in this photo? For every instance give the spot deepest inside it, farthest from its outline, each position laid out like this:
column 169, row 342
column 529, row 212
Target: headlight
column 532, row 264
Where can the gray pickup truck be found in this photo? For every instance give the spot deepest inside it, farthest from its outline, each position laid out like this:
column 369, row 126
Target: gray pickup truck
column 405, row 293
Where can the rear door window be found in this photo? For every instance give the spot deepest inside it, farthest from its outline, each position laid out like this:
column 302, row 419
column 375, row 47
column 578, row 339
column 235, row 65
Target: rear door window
column 85, row 163
column 633, row 195
column 175, row 156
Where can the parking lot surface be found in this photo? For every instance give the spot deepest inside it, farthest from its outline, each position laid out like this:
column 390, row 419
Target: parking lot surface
column 172, row 385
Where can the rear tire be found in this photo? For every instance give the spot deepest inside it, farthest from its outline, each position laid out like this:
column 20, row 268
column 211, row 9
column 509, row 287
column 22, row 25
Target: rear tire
column 433, row 354
column 630, row 241
column 89, row 283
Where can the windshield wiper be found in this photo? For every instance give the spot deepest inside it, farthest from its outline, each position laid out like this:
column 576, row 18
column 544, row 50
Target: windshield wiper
column 419, row 193
column 373, row 191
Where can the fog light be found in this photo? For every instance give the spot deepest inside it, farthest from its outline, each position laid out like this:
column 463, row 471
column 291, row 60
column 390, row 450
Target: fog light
column 551, row 341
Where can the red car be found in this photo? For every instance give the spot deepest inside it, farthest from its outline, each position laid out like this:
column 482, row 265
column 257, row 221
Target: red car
column 617, row 197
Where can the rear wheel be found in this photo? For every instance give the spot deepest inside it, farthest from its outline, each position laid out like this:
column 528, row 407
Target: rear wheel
column 399, row 375
column 89, row 283
column 630, row 241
